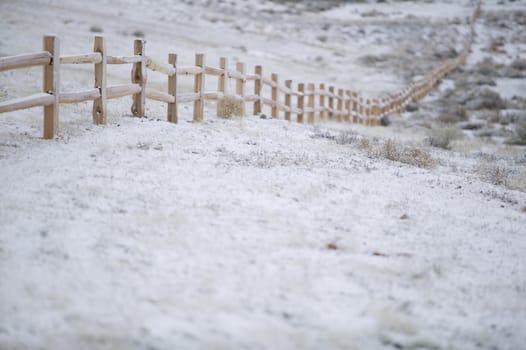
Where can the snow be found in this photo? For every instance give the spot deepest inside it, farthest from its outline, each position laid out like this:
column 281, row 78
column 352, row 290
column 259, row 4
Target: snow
column 143, row 234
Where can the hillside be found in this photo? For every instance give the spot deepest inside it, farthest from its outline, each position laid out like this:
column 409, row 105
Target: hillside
column 257, row 233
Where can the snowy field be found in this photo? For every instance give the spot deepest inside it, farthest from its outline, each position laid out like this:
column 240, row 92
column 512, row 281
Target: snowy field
column 250, row 233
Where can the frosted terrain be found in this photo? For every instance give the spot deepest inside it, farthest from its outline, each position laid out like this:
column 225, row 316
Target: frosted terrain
column 251, row 233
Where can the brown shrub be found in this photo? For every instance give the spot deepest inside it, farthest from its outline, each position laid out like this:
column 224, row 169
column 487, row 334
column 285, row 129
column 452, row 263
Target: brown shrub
column 406, row 154
column 229, row 107
column 442, row 136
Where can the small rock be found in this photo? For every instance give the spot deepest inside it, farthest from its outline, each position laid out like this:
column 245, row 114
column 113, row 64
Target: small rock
column 332, row 246
column 379, row 254
column 142, row 145
column 404, row 217
column 411, row 107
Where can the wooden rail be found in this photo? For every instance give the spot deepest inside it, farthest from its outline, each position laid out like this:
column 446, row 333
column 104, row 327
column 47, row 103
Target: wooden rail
column 305, row 100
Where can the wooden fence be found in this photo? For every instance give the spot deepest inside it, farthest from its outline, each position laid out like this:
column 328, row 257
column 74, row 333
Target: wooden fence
column 310, row 101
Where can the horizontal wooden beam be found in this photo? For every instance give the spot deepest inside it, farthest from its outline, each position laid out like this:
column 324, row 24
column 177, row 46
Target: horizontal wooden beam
column 251, row 98
column 189, row 70
column 210, row 95
column 160, row 67
column 79, row 96
column 35, row 100
column 267, row 101
column 236, row 75
column 123, row 59
column 159, row 96
column 25, row 60
column 252, row 77
column 93, row 58
column 268, row 82
column 214, row 71
column 189, row 97
column 122, row 90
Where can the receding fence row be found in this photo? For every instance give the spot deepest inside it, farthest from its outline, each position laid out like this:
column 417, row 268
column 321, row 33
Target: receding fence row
column 307, row 102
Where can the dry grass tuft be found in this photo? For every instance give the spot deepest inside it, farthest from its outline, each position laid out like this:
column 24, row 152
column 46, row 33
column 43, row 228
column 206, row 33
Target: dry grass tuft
column 95, row 29
column 520, row 133
column 229, row 107
column 346, row 138
column 495, row 174
column 442, row 136
column 406, row 154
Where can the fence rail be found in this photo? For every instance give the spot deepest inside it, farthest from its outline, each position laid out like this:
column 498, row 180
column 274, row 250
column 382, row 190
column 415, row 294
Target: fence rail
column 324, row 102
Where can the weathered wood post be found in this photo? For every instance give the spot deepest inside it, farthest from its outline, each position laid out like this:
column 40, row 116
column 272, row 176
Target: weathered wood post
column 383, row 108
column 340, row 105
column 222, row 85
column 331, row 102
column 99, row 104
column 274, row 112
column 301, row 104
column 367, row 112
column 311, row 103
column 354, row 108
column 51, row 85
column 258, row 70
column 322, row 102
column 288, row 84
column 376, row 111
column 347, row 105
column 361, row 110
column 172, row 90
column 240, row 85
column 139, row 77
column 199, row 88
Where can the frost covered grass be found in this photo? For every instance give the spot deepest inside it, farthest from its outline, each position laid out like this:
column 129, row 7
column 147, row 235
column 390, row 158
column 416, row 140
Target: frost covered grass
column 442, row 135
column 256, row 233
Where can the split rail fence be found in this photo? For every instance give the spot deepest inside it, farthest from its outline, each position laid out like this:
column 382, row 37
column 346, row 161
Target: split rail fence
column 307, row 102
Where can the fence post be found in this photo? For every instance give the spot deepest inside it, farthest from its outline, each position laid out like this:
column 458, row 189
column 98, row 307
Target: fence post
column 347, row 105
column 340, row 105
column 258, row 70
column 376, row 111
column 301, row 105
column 99, row 104
column 222, row 85
column 367, row 112
column 288, row 84
column 51, row 85
column 223, row 78
column 311, row 103
column 331, row 102
column 383, row 108
column 240, row 84
column 361, row 110
column 172, row 90
column 274, row 93
column 139, row 77
column 354, row 107
column 199, row 87
column 322, row 101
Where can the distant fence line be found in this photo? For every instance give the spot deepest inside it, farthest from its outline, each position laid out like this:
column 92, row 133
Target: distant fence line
column 323, row 101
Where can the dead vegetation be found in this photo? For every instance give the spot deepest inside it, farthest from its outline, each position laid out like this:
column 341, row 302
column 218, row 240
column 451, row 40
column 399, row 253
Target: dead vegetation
column 229, row 107
column 442, row 135
column 390, row 149
column 396, row 151
column 520, row 134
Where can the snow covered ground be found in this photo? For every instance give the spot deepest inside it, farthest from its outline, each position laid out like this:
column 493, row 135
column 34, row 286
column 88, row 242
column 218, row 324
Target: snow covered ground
column 252, row 233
